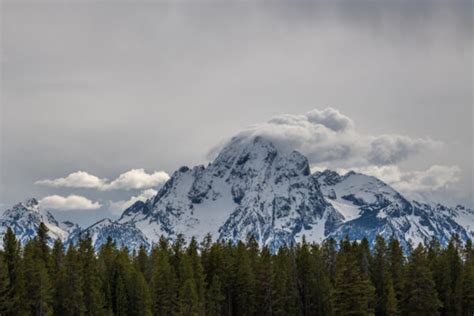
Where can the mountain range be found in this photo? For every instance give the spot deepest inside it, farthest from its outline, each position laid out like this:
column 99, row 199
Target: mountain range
column 254, row 188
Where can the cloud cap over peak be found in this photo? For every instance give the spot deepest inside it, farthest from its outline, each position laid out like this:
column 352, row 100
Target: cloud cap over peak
column 330, row 137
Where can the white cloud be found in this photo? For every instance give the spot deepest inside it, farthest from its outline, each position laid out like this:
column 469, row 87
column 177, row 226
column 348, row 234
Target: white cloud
column 78, row 179
column 137, row 179
column 330, row 118
column 132, row 179
column 434, row 178
column 68, row 203
column 330, row 137
column 119, row 206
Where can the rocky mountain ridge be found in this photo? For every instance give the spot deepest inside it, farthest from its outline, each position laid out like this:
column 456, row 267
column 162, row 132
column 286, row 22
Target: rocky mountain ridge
column 253, row 188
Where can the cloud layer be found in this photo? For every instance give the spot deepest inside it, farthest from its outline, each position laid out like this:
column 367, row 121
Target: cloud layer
column 132, row 179
column 68, row 203
column 329, row 137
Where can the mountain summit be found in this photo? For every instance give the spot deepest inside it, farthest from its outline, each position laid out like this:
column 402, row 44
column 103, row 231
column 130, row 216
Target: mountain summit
column 254, row 188
column 24, row 219
column 250, row 188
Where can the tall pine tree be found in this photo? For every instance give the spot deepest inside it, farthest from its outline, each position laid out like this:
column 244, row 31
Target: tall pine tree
column 419, row 293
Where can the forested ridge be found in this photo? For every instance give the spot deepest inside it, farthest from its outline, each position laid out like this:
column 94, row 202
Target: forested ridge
column 216, row 278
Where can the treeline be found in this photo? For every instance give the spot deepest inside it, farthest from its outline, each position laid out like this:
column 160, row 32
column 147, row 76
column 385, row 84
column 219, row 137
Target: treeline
column 215, row 278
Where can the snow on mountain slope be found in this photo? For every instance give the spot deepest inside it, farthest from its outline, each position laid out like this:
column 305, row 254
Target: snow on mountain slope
column 355, row 194
column 372, row 207
column 460, row 215
column 250, row 188
column 24, row 219
column 464, row 217
column 123, row 235
column 254, row 188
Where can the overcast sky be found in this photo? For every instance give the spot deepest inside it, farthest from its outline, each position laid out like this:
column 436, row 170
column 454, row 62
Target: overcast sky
column 101, row 100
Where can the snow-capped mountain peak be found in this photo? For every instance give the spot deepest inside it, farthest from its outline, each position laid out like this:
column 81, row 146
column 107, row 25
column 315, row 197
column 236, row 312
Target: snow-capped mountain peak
column 255, row 188
column 25, row 217
column 372, row 207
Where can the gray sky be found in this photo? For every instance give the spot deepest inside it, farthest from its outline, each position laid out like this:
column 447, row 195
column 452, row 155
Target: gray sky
column 105, row 88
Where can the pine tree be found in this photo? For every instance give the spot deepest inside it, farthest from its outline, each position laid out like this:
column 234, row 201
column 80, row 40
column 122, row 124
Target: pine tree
column 140, row 300
column 188, row 298
column 73, row 284
column 164, row 286
column 121, row 286
column 353, row 293
column 217, row 262
column 391, row 305
column 329, row 254
column 120, row 303
column 4, row 285
column 91, row 283
column 419, row 293
column 225, row 255
column 198, row 275
column 141, row 263
column 453, row 260
column 42, row 244
column 265, row 288
column 286, row 298
column 214, row 298
column 245, row 303
column 312, row 279
column 468, row 279
column 107, row 255
column 15, row 273
column 59, row 279
column 38, row 292
column 381, row 278
column 364, row 256
column 305, row 276
column 322, row 288
column 396, row 263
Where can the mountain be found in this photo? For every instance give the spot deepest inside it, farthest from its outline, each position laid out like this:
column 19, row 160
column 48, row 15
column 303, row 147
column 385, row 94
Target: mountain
column 250, row 188
column 24, row 219
column 124, row 235
column 254, row 188
column 372, row 207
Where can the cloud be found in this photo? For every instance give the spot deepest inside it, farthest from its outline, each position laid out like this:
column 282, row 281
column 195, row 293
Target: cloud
column 68, row 203
column 132, row 179
column 432, row 179
column 137, row 179
column 390, row 149
column 330, row 137
column 330, row 118
column 78, row 179
column 119, row 206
